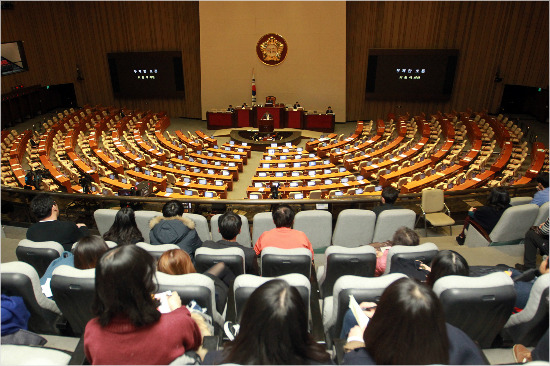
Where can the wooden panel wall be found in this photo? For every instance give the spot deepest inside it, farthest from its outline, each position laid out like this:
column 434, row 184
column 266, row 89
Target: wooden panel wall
column 59, row 36
column 510, row 37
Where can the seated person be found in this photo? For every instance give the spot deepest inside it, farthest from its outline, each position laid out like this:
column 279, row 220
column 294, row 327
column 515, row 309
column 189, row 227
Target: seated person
column 296, row 105
column 172, row 228
column 523, row 283
column 543, row 193
column 273, row 331
column 230, row 108
column 49, row 228
column 408, row 328
column 329, row 110
column 178, row 262
column 487, row 216
column 85, row 255
column 128, row 328
column 445, row 263
column 387, row 200
column 124, row 230
column 536, row 240
column 403, row 236
column 229, row 225
column 283, row 236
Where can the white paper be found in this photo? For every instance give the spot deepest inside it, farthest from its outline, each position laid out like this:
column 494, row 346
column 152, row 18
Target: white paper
column 361, row 318
column 46, row 290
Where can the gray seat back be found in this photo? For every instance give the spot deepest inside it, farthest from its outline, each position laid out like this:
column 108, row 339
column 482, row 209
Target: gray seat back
column 423, row 252
column 244, row 236
column 104, row 219
column 21, row 279
column 516, row 201
column 389, row 221
column 542, row 215
column 317, row 225
column 341, row 261
column 38, row 254
column 514, row 223
column 262, row 221
column 142, row 221
column 157, row 250
column 201, row 225
column 354, row 227
column 232, row 257
column 277, row 262
column 528, row 326
column 73, row 290
column 479, row 306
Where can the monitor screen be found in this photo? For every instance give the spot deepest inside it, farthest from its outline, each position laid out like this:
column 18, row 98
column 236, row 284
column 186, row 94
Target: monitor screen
column 169, row 190
column 327, row 171
column 271, row 151
column 338, row 193
column 225, row 172
column 244, row 144
column 231, row 142
column 299, row 149
column 210, row 171
column 312, row 163
column 359, row 177
column 112, row 176
column 297, row 156
column 218, row 183
column 281, row 165
column 258, row 184
column 209, row 154
column 180, row 157
column 311, row 173
column 273, row 145
column 159, row 175
column 188, row 193
column 297, row 165
column 147, row 74
column 279, row 174
column 227, row 148
column 197, row 170
column 254, row 197
column 359, row 191
column 283, row 157
column 344, row 180
column 411, row 74
column 202, row 181
column 299, row 196
column 123, row 180
column 231, row 164
column 293, row 184
column 170, row 165
column 187, row 180
column 217, row 163
column 223, row 155
column 240, row 150
column 342, row 169
column 295, row 174
column 209, row 194
column 191, row 159
column 262, row 174
column 310, row 183
column 268, row 158
column 204, row 161
column 147, row 172
column 328, row 181
column 289, row 144
column 378, row 188
column 265, row 166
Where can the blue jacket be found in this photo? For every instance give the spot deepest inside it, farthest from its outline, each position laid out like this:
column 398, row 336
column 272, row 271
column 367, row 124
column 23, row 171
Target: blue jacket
column 15, row 315
column 67, row 259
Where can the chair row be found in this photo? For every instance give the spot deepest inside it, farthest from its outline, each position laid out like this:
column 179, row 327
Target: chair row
column 353, row 227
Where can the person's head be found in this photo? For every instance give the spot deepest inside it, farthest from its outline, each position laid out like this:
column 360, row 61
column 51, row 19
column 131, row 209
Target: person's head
column 274, row 329
column 329, row 107
column 229, row 225
column 499, row 198
column 44, row 206
column 389, row 195
column 123, row 286
column 172, row 208
column 408, row 326
column 447, row 263
column 124, row 230
column 283, row 216
column 88, row 250
column 175, row 262
column 542, row 181
column 405, row 236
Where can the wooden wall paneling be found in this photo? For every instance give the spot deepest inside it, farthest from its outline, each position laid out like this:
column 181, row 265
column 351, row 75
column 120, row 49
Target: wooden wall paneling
column 512, row 36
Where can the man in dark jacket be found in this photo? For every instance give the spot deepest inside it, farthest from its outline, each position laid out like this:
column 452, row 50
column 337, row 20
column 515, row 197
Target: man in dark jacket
column 389, row 196
column 49, row 228
column 229, row 225
column 172, row 228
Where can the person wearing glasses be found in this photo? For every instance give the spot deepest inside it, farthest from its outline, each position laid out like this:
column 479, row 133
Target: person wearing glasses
column 49, row 227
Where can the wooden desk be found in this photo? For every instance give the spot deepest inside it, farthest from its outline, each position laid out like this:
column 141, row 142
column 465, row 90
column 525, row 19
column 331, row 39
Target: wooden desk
column 167, row 144
column 504, row 157
column 129, row 156
column 220, row 190
column 160, row 183
column 353, row 163
column 148, row 149
column 227, row 179
column 311, row 146
column 207, row 140
column 471, row 156
column 478, row 181
column 108, row 161
column 218, row 120
column 59, row 178
column 193, row 164
column 295, row 119
column 303, row 178
column 82, row 166
column 116, row 184
column 245, row 117
column 325, row 150
column 214, row 158
column 188, row 142
column 18, row 171
column 180, row 196
column 285, row 191
column 236, row 147
column 538, row 155
column 319, row 122
column 241, row 154
column 291, row 169
column 432, row 180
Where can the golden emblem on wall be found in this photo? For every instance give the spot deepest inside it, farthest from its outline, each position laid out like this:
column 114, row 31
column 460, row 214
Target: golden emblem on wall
column 271, row 49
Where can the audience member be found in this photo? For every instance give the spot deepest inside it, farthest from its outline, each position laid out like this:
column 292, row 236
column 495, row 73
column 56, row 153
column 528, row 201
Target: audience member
column 445, row 263
column 128, row 328
column 273, row 331
column 543, row 193
column 49, row 227
column 403, row 236
column 408, row 328
column 124, row 230
column 487, row 216
column 178, row 262
column 387, row 200
column 536, row 240
column 229, row 226
column 283, row 236
column 524, row 281
column 172, row 228
column 85, row 255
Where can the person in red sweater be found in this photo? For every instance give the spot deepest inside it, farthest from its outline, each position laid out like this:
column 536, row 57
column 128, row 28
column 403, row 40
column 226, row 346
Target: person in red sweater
column 128, row 328
column 283, row 236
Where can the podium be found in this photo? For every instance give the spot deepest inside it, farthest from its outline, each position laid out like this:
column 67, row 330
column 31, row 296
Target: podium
column 265, row 124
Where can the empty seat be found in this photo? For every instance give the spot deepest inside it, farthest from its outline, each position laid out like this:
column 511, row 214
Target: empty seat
column 244, row 236
column 317, row 225
column 479, row 306
column 434, row 209
column 389, row 221
column 104, row 219
column 38, row 254
column 341, row 261
column 516, row 201
column 354, row 227
column 542, row 215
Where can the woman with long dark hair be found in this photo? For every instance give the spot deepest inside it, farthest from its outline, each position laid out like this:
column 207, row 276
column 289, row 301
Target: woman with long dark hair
column 128, row 328
column 273, row 331
column 487, row 216
column 124, row 230
column 408, row 328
